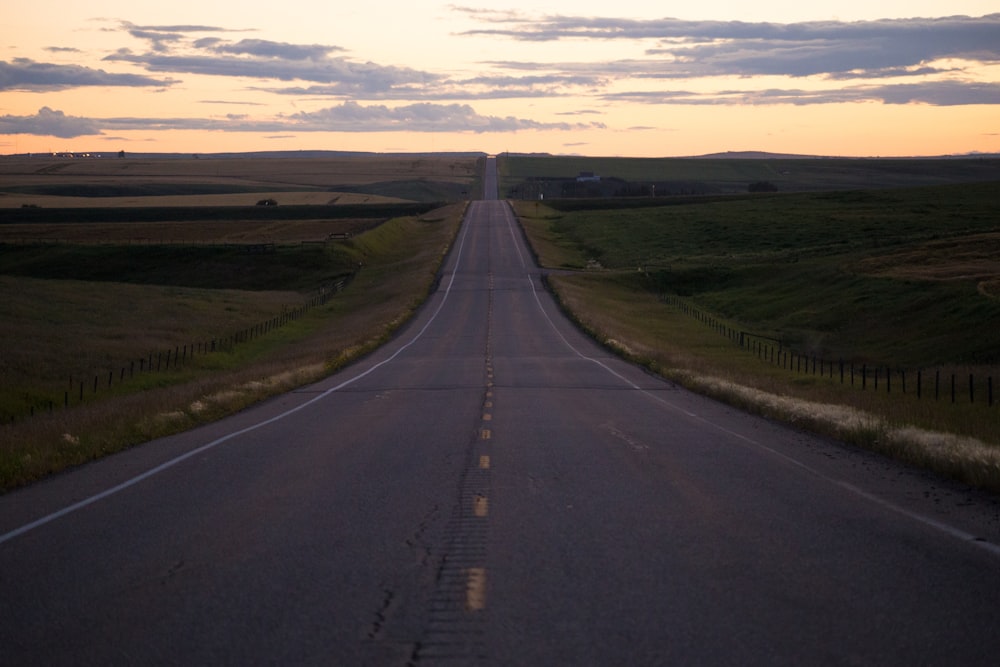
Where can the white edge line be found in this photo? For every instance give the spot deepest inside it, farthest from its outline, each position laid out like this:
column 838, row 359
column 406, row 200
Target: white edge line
column 920, row 518
column 229, row 436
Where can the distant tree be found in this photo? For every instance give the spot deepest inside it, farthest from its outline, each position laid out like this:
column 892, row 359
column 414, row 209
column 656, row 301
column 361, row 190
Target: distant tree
column 121, row 154
column 763, row 186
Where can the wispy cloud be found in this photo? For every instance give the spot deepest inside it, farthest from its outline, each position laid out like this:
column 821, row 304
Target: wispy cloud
column 26, row 74
column 263, row 48
column 689, row 49
column 176, row 50
column 347, row 74
column 421, row 117
column 346, row 117
column 935, row 93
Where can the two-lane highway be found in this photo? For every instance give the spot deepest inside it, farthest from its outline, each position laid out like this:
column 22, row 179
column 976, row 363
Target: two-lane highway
column 493, row 488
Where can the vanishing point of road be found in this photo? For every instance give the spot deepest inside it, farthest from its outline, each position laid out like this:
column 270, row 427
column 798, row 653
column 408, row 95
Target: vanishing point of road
column 492, row 488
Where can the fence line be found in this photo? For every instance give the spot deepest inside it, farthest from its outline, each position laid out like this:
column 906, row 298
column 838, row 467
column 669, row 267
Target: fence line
column 951, row 386
column 85, row 388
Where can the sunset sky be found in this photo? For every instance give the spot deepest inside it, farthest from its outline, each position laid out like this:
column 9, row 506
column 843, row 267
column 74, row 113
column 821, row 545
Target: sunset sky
column 888, row 78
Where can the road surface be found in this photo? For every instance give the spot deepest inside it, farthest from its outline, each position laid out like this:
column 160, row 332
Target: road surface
column 491, row 488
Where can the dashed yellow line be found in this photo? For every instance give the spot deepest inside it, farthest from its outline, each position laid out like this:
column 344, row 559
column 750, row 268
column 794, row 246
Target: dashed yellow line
column 481, row 505
column 487, row 417
column 484, row 462
column 475, row 589
column 485, row 434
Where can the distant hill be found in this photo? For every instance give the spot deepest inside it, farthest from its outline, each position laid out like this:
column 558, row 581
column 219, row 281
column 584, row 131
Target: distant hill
column 764, row 155
column 754, row 155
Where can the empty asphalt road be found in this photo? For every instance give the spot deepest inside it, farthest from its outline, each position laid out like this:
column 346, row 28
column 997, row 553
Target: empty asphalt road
column 492, row 488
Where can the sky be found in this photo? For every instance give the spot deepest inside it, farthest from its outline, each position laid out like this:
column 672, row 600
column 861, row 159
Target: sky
column 641, row 79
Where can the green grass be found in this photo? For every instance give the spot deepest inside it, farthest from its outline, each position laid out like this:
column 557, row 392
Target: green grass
column 735, row 175
column 292, row 267
column 816, row 269
column 902, row 279
column 201, row 214
column 56, row 329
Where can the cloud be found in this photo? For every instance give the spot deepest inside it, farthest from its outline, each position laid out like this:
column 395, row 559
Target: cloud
column 421, row 117
column 348, row 75
column 934, row 93
column 29, row 75
column 174, row 50
column 346, row 117
column 689, row 49
column 48, row 122
column 281, row 50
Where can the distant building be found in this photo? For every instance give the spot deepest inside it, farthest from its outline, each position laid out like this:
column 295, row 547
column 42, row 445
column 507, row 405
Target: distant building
column 588, row 177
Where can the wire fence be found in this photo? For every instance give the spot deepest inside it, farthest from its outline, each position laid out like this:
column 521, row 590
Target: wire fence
column 938, row 384
column 86, row 388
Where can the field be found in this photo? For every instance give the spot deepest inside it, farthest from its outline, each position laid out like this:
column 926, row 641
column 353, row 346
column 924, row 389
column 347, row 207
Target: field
column 109, row 267
column 894, row 281
column 110, row 181
column 526, row 177
column 101, row 302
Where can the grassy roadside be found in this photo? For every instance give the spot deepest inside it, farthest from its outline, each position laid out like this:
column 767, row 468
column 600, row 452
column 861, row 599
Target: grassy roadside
column 960, row 441
column 400, row 259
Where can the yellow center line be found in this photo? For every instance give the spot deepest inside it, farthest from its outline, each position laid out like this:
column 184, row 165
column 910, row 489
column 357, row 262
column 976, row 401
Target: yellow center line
column 485, row 434
column 484, row 462
column 475, row 589
column 481, row 505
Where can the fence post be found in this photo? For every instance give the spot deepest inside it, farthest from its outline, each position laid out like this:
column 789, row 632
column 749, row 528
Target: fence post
column 919, row 374
column 952, row 387
column 972, row 382
column 888, row 380
column 864, row 376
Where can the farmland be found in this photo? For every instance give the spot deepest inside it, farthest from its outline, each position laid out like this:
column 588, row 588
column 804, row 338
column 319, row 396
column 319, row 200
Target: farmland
column 103, row 262
column 259, row 298
column 903, row 281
